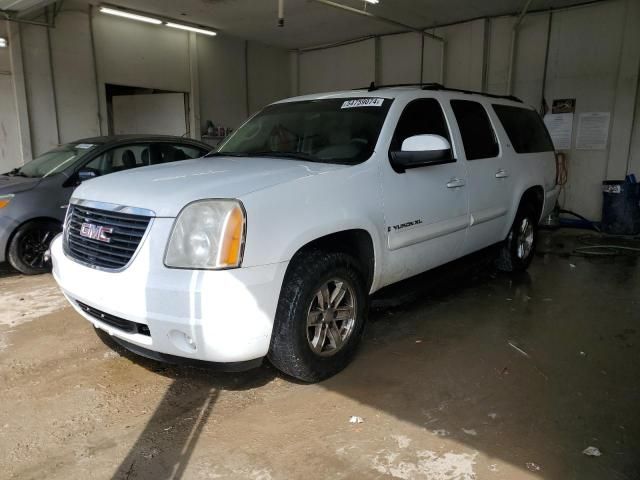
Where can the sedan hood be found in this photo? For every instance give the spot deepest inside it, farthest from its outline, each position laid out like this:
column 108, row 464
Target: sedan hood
column 166, row 189
column 15, row 184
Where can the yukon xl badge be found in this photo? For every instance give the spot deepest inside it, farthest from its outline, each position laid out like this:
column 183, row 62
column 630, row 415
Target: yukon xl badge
column 96, row 232
column 404, row 225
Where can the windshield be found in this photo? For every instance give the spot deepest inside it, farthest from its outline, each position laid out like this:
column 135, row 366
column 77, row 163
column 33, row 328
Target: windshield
column 338, row 130
column 54, row 161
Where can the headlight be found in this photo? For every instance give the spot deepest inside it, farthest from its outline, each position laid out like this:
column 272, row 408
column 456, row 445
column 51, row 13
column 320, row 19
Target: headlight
column 6, row 199
column 208, row 234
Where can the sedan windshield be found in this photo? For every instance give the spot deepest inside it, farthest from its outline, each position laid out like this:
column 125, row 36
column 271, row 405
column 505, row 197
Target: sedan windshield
column 337, row 130
column 54, row 161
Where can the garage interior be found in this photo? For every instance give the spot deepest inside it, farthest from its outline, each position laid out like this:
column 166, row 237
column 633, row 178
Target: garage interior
column 464, row 373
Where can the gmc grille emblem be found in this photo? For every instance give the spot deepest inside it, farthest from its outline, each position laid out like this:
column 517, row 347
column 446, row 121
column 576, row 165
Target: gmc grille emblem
column 96, row 232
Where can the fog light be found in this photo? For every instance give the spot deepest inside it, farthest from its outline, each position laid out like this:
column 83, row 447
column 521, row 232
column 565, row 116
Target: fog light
column 182, row 341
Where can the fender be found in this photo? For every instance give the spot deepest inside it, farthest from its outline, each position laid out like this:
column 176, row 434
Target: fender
column 284, row 218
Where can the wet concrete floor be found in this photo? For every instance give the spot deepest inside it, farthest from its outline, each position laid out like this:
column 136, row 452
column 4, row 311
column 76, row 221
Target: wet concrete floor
column 461, row 376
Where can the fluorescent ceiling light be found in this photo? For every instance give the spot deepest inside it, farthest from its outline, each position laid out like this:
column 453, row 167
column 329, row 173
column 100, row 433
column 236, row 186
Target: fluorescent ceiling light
column 3, row 42
column 372, row 1
column 132, row 16
column 191, row 29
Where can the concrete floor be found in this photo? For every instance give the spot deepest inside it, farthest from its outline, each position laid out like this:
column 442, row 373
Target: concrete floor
column 485, row 377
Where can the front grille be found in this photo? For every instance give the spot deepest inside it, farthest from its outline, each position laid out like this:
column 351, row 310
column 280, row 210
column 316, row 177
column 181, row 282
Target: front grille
column 116, row 322
column 128, row 230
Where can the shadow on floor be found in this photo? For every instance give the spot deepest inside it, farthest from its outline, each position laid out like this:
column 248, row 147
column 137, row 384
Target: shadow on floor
column 7, row 270
column 162, row 451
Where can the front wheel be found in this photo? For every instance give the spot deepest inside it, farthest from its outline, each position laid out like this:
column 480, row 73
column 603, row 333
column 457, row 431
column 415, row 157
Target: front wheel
column 29, row 244
column 517, row 250
column 320, row 317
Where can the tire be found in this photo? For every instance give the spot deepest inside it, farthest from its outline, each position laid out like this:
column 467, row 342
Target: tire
column 518, row 249
column 299, row 348
column 28, row 245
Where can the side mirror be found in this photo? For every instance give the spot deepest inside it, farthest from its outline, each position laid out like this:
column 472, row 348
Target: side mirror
column 420, row 151
column 86, row 174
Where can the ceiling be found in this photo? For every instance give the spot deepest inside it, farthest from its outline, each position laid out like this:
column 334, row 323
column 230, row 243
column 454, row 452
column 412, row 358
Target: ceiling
column 309, row 23
column 21, row 6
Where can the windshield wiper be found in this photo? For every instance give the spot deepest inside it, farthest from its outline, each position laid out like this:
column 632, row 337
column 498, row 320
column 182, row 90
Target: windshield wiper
column 16, row 173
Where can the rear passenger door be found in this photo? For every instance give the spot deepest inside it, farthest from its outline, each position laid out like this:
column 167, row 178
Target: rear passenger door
column 489, row 182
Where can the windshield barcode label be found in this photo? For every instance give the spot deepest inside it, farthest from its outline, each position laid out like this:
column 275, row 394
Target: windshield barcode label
column 363, row 102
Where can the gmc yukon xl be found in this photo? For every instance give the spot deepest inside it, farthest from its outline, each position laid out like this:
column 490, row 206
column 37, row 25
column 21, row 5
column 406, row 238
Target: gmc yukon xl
column 271, row 246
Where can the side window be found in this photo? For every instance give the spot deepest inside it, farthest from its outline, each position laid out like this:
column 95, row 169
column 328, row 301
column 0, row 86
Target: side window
column 118, row 159
column 478, row 137
column 420, row 117
column 525, row 129
column 190, row 152
column 168, row 152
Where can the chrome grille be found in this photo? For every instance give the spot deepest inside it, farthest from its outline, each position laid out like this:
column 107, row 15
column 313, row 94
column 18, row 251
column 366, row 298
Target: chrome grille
column 127, row 231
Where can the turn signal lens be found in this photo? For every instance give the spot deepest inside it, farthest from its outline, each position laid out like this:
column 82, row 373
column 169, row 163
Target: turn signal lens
column 231, row 244
column 5, row 200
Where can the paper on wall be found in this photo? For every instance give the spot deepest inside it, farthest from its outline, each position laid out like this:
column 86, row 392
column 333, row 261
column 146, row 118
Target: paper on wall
column 593, row 131
column 560, row 126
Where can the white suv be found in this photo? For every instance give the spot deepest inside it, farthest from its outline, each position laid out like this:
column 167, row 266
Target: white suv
column 271, row 246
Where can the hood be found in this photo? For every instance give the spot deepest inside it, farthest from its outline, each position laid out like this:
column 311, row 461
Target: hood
column 15, row 184
column 166, row 188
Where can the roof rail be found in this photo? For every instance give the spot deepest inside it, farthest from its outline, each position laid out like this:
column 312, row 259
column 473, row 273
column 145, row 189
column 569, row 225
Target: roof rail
column 437, row 86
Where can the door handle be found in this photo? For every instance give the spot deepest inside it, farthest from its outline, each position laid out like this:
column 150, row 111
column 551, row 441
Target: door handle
column 455, row 183
column 501, row 174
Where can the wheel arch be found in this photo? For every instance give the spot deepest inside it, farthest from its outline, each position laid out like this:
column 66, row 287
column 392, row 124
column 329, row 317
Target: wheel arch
column 356, row 242
column 42, row 218
column 535, row 197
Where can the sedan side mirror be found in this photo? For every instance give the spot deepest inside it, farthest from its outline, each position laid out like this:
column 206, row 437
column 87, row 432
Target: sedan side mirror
column 86, row 174
column 421, row 151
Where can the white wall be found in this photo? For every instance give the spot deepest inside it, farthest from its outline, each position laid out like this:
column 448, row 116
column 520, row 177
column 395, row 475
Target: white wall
column 402, row 68
column 74, row 74
column 593, row 56
column 211, row 70
column 343, row 67
column 266, row 83
column 584, row 61
column 10, row 147
column 464, row 54
column 40, row 99
column 223, row 81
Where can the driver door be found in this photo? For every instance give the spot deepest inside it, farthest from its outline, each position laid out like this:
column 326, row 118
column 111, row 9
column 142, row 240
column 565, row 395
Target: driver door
column 426, row 208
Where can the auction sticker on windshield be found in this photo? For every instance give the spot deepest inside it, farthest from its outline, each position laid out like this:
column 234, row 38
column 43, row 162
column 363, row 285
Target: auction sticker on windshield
column 85, row 146
column 363, row 102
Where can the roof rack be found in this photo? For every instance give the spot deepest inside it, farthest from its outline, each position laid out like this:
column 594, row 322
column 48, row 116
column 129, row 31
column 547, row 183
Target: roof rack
column 437, row 86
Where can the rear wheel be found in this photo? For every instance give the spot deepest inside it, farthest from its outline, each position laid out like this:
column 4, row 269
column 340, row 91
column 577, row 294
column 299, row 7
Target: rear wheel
column 28, row 245
column 320, row 317
column 517, row 250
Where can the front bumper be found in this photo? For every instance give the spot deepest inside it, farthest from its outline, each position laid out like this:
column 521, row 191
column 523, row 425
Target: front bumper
column 216, row 316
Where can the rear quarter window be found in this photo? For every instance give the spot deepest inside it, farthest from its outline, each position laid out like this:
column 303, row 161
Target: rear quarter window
column 525, row 129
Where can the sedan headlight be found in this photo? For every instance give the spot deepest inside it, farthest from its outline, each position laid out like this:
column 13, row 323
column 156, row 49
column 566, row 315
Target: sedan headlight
column 208, row 234
column 5, row 200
